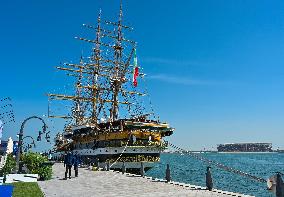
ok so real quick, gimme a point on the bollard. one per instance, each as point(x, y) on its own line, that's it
point(4, 178)
point(279, 186)
point(97, 162)
point(108, 166)
point(142, 172)
point(209, 182)
point(168, 173)
point(123, 168)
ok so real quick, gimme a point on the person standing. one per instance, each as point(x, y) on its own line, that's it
point(76, 162)
point(68, 161)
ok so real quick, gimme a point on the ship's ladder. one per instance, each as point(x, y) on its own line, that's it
point(217, 164)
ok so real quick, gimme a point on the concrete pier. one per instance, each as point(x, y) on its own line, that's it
point(110, 183)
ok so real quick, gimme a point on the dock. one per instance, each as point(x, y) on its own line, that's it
point(112, 183)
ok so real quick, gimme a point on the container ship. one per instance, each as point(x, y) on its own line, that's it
point(109, 119)
point(245, 147)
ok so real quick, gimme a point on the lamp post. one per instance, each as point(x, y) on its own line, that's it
point(32, 144)
point(20, 144)
point(33, 141)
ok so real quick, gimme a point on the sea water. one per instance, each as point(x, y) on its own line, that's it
point(187, 169)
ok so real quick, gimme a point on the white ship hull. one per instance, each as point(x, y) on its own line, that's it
point(131, 156)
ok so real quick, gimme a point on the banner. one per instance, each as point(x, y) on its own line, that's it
point(15, 147)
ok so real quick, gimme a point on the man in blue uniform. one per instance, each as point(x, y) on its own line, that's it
point(68, 162)
point(76, 162)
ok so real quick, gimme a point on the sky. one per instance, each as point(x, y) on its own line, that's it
point(214, 68)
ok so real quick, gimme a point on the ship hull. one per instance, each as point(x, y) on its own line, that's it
point(131, 156)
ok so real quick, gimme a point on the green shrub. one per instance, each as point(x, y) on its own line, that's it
point(9, 166)
point(34, 162)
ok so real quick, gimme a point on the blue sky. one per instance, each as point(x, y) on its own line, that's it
point(215, 68)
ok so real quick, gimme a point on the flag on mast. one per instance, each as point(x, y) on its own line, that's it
point(135, 69)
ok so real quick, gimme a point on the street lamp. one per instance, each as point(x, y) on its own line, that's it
point(38, 138)
point(33, 141)
point(47, 136)
point(30, 145)
point(20, 145)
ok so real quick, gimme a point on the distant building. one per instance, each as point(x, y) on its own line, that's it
point(245, 147)
point(6, 147)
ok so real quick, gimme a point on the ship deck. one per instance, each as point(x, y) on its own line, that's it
point(110, 183)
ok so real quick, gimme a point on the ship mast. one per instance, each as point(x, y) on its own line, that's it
point(78, 111)
point(96, 58)
point(99, 83)
point(118, 50)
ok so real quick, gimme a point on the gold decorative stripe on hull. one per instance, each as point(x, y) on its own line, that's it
point(119, 136)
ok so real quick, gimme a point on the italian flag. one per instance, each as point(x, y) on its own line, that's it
point(135, 69)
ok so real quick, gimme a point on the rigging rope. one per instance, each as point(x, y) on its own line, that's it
point(217, 164)
point(150, 101)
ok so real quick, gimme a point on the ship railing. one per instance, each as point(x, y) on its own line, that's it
point(142, 143)
point(136, 144)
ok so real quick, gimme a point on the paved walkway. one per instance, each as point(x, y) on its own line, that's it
point(108, 184)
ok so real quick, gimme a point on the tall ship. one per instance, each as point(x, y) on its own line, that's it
point(111, 118)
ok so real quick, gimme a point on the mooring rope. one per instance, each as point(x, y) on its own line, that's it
point(122, 151)
point(217, 164)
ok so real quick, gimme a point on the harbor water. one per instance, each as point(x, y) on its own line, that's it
point(187, 169)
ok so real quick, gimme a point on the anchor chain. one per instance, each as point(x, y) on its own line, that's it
point(217, 164)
